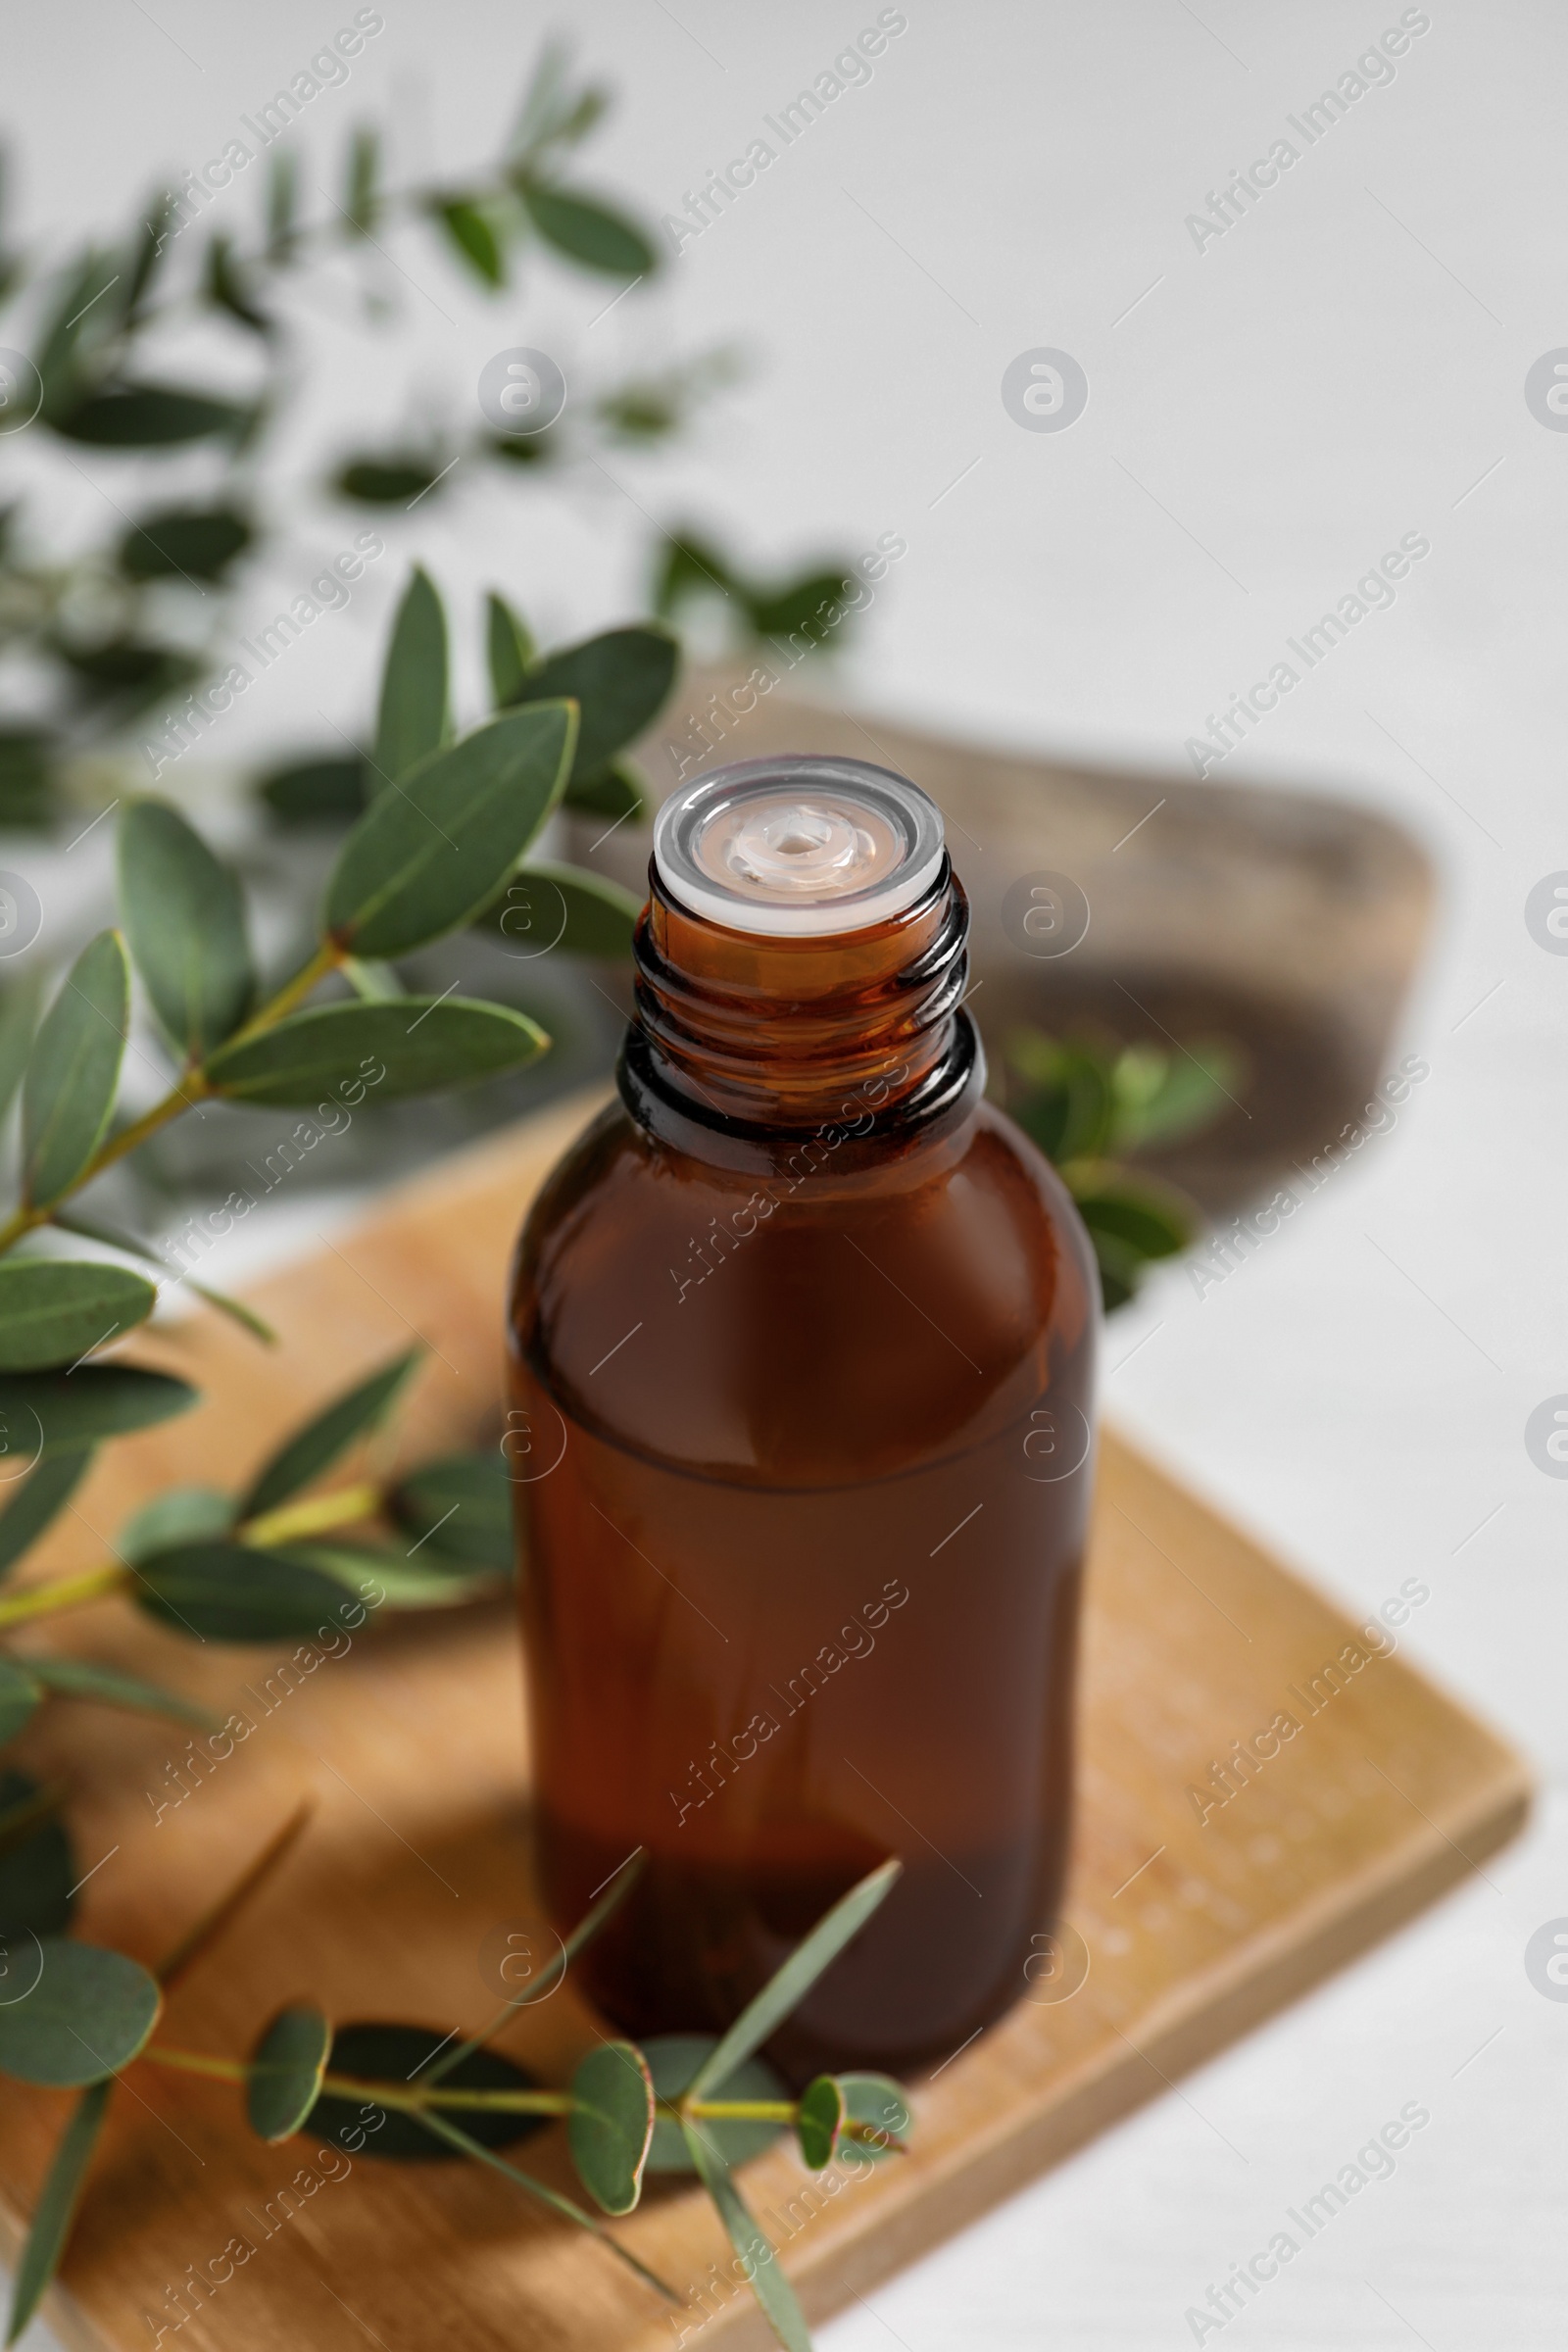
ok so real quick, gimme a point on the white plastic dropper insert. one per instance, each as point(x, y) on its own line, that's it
point(800, 847)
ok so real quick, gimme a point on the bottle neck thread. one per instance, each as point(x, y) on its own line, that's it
point(743, 1046)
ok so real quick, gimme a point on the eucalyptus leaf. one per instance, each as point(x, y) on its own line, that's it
point(67, 1095)
point(219, 1592)
point(616, 793)
point(146, 416)
point(761, 2264)
point(179, 1515)
point(611, 2123)
point(1147, 1217)
point(228, 286)
point(313, 1450)
point(283, 2079)
point(185, 916)
point(79, 318)
point(87, 2014)
point(401, 1584)
point(363, 202)
point(415, 1046)
point(413, 714)
point(56, 2209)
point(107, 1687)
point(877, 2102)
point(789, 1986)
point(315, 792)
point(674, 2060)
point(547, 908)
point(390, 482)
point(425, 857)
point(54, 1311)
point(400, 2055)
point(473, 238)
point(196, 543)
point(820, 2119)
point(18, 1022)
point(589, 232)
point(38, 1871)
point(61, 1412)
point(621, 682)
point(19, 1694)
point(459, 1506)
point(70, 1221)
point(35, 1503)
point(509, 649)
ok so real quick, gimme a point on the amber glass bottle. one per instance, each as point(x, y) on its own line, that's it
point(802, 1334)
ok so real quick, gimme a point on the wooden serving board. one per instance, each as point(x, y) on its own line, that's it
point(412, 1744)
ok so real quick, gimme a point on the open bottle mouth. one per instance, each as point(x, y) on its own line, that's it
point(800, 847)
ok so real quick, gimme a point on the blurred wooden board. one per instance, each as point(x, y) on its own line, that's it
point(412, 1743)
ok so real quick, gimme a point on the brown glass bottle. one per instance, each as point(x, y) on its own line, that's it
point(802, 1334)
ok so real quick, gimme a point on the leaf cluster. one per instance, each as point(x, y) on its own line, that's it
point(675, 2104)
point(1089, 1108)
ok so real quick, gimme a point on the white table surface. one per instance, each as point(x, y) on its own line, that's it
point(1345, 366)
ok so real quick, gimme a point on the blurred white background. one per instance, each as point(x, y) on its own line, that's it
point(1265, 416)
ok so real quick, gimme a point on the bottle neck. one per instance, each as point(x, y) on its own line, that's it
point(743, 1047)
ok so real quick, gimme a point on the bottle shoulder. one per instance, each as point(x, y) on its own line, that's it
point(809, 1330)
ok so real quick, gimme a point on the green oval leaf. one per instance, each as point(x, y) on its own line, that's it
point(509, 649)
point(236, 1592)
point(309, 1451)
point(413, 714)
point(387, 481)
point(788, 1986)
point(416, 1046)
point(315, 792)
point(611, 2125)
point(618, 791)
point(146, 416)
point(284, 2078)
point(35, 1504)
point(67, 1095)
point(561, 909)
point(818, 2120)
point(877, 2104)
point(56, 2208)
point(19, 1012)
point(1149, 1219)
point(37, 1870)
point(474, 239)
point(459, 1506)
point(619, 682)
point(107, 1687)
point(185, 916)
point(86, 2016)
point(56, 1310)
point(673, 2061)
point(425, 857)
point(19, 1694)
point(399, 2054)
point(64, 1411)
point(426, 1582)
point(179, 1515)
point(194, 543)
point(590, 232)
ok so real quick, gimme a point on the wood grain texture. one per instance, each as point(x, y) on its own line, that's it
point(413, 1746)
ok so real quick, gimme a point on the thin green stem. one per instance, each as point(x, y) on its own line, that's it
point(385, 2094)
point(750, 2111)
point(65, 1592)
point(291, 1520)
